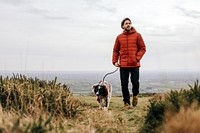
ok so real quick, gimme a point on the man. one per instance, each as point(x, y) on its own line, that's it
point(128, 50)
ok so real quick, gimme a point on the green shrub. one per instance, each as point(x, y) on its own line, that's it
point(172, 102)
point(154, 116)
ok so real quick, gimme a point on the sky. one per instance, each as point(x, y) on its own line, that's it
point(78, 35)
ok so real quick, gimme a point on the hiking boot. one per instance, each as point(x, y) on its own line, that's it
point(135, 101)
point(127, 106)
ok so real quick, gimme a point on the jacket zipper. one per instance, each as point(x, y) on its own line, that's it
point(127, 50)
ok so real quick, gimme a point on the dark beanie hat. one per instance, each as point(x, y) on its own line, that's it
point(122, 23)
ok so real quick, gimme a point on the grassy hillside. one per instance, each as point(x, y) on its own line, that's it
point(89, 118)
point(38, 106)
point(31, 105)
point(116, 119)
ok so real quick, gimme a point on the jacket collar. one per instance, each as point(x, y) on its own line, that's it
point(130, 32)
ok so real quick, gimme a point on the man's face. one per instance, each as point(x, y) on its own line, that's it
point(127, 25)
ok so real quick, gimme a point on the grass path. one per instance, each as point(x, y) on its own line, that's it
point(116, 119)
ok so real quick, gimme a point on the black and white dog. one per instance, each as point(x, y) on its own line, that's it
point(103, 92)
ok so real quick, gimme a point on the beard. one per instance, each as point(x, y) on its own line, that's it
point(127, 29)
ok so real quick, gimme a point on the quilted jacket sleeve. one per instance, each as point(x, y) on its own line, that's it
point(116, 50)
point(141, 47)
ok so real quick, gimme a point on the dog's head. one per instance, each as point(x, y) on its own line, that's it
point(100, 90)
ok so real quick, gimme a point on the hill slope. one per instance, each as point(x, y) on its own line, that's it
point(116, 119)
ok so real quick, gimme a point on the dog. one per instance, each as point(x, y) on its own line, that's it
point(103, 92)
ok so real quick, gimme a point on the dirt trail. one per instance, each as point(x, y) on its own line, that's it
point(115, 119)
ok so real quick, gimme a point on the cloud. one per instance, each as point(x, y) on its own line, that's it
point(101, 5)
point(189, 13)
point(160, 31)
point(14, 2)
point(41, 9)
point(47, 13)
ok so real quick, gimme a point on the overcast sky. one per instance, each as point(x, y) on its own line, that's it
point(64, 35)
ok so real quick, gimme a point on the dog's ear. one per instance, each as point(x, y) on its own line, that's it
point(94, 87)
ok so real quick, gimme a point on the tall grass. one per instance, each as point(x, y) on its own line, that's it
point(173, 103)
point(36, 98)
point(31, 95)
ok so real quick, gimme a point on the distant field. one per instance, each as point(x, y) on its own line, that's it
point(80, 82)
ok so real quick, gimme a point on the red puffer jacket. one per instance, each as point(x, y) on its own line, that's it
point(129, 48)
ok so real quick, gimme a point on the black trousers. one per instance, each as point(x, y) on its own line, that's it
point(133, 73)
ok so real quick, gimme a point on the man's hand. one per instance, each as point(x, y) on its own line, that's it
point(116, 64)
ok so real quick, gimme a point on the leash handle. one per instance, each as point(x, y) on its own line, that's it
point(108, 74)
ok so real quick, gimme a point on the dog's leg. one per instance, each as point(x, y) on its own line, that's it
point(106, 102)
point(101, 103)
point(109, 96)
point(100, 107)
